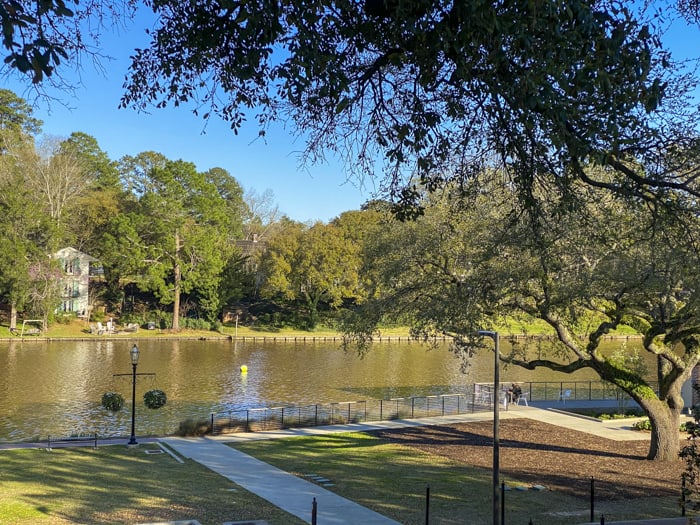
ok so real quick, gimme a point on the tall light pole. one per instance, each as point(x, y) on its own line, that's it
point(496, 443)
point(134, 362)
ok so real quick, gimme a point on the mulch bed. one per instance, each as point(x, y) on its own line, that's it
point(537, 453)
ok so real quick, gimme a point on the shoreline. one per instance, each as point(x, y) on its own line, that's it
point(268, 338)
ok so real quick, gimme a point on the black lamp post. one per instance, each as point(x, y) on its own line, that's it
point(134, 361)
point(496, 443)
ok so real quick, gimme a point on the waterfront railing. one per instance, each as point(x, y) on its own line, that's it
point(477, 397)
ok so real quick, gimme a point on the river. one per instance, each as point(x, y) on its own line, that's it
point(55, 387)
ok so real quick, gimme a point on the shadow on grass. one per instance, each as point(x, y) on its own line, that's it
point(119, 485)
point(391, 477)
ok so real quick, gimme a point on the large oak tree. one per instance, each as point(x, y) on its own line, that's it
point(475, 261)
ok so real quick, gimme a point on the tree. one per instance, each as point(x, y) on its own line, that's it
point(27, 233)
point(96, 163)
point(231, 194)
point(584, 271)
point(415, 85)
point(262, 214)
point(16, 120)
point(101, 200)
point(41, 35)
point(179, 226)
point(314, 265)
point(58, 179)
point(428, 89)
point(27, 229)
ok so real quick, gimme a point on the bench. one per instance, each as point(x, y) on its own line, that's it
point(72, 440)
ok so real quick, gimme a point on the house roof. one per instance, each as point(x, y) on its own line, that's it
point(72, 252)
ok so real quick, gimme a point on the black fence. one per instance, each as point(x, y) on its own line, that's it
point(275, 418)
point(572, 390)
point(478, 398)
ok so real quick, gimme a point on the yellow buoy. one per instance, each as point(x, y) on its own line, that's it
point(244, 369)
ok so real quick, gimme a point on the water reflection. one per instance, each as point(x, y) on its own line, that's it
point(56, 387)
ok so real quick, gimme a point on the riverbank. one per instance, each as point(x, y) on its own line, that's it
point(81, 331)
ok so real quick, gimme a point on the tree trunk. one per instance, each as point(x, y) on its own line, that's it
point(177, 277)
point(176, 298)
point(13, 316)
point(312, 305)
point(665, 435)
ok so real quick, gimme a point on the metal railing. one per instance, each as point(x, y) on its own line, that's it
point(570, 390)
point(275, 418)
point(478, 397)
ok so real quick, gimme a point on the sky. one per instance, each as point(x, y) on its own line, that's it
point(310, 193)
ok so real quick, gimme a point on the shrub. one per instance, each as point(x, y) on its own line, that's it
point(155, 399)
point(66, 318)
point(132, 318)
point(195, 323)
point(190, 427)
point(645, 426)
point(113, 401)
point(642, 425)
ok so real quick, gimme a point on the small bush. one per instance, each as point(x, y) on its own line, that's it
point(642, 425)
point(132, 318)
point(154, 399)
point(113, 401)
point(190, 427)
point(194, 323)
point(66, 318)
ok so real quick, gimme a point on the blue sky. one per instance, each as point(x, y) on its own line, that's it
point(318, 192)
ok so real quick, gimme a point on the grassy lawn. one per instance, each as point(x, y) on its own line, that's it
point(115, 484)
point(392, 480)
point(78, 329)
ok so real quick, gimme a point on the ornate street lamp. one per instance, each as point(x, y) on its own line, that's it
point(134, 362)
point(496, 444)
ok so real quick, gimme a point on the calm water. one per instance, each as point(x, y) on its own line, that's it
point(56, 387)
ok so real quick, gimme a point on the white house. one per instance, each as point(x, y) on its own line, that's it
point(75, 283)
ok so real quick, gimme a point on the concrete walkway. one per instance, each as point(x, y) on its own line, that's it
point(295, 495)
point(662, 521)
point(286, 491)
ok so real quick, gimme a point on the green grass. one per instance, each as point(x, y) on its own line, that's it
point(78, 329)
point(392, 480)
point(116, 484)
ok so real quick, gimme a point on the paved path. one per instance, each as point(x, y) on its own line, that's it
point(662, 521)
point(286, 491)
point(615, 429)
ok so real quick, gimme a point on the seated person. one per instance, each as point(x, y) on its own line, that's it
point(515, 392)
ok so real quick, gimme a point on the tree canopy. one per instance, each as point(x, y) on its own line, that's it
point(481, 260)
point(435, 91)
point(430, 92)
